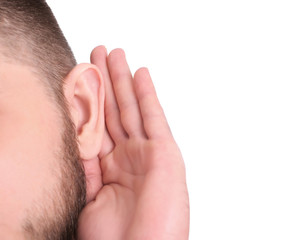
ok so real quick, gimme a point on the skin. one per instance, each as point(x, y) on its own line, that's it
point(144, 193)
point(31, 127)
point(26, 125)
point(135, 174)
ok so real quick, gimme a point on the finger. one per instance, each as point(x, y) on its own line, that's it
point(125, 94)
point(112, 113)
point(98, 57)
point(93, 176)
point(107, 146)
point(155, 123)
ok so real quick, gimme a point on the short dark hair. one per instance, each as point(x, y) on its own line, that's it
point(30, 35)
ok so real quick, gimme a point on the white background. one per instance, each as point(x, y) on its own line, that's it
point(222, 72)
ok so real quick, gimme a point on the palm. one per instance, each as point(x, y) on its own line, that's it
point(144, 192)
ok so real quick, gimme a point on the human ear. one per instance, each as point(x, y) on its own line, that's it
point(84, 91)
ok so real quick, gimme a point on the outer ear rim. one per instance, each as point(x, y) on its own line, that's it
point(69, 88)
point(75, 73)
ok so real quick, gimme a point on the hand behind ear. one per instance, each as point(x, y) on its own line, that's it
point(144, 194)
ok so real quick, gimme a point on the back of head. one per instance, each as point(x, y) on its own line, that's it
point(30, 35)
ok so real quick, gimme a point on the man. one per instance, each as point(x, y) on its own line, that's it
point(86, 151)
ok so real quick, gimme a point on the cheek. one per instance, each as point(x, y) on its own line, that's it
point(26, 163)
point(28, 139)
point(23, 175)
point(7, 232)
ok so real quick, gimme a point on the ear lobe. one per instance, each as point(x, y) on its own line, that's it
point(84, 91)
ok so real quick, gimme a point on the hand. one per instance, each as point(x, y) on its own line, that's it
point(144, 195)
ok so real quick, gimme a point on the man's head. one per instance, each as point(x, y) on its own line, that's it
point(51, 119)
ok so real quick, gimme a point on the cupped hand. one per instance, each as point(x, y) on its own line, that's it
point(144, 194)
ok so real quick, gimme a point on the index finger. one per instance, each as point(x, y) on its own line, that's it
point(112, 113)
